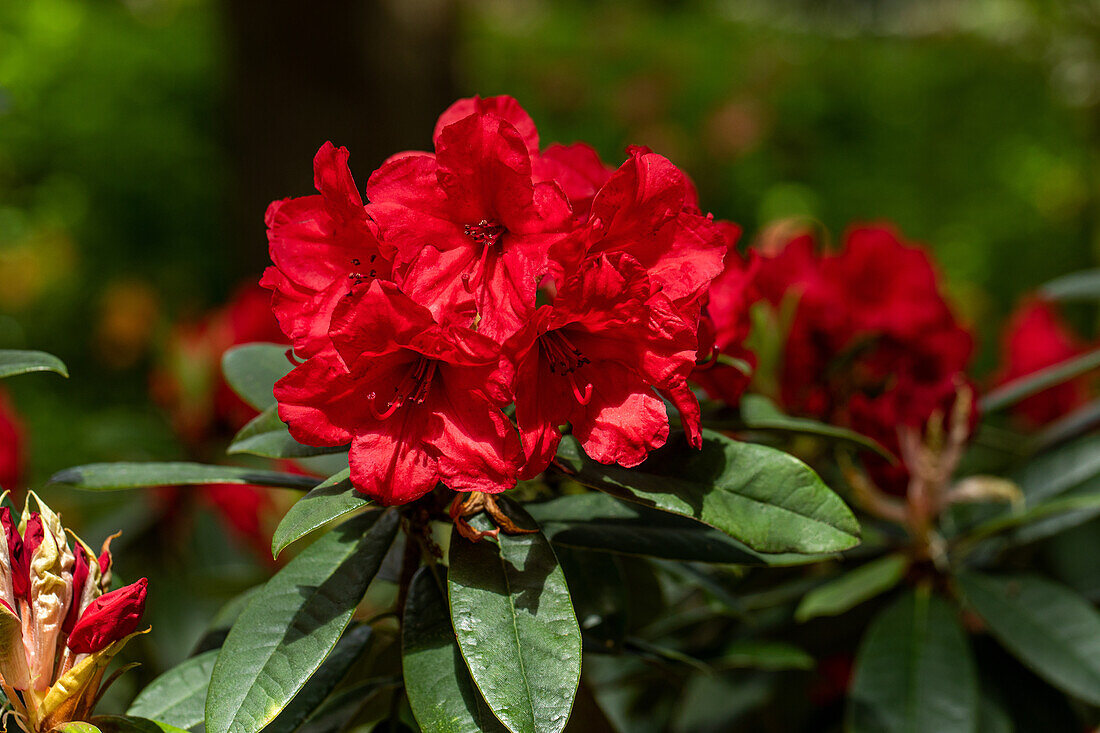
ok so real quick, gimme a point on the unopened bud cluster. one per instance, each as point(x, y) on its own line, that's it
point(60, 626)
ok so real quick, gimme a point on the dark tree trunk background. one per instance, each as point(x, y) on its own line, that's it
point(370, 75)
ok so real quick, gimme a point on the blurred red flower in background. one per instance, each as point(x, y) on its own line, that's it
point(11, 444)
point(1037, 337)
point(189, 385)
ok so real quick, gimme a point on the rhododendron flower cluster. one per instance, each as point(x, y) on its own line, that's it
point(873, 344)
point(1037, 337)
point(487, 273)
point(60, 624)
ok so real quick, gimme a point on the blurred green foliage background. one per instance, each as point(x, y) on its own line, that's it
point(141, 139)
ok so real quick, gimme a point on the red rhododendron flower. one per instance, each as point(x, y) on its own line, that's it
point(11, 444)
point(470, 224)
point(419, 401)
point(110, 617)
point(873, 344)
point(320, 246)
point(1036, 337)
point(592, 358)
point(646, 209)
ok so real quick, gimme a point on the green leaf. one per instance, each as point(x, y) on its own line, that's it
point(1083, 285)
point(1019, 389)
point(266, 435)
point(76, 727)
point(853, 588)
point(1040, 521)
point(333, 498)
point(178, 696)
point(767, 655)
point(320, 685)
point(442, 695)
point(760, 413)
point(914, 672)
point(1048, 627)
point(1059, 470)
point(22, 362)
point(251, 370)
point(293, 623)
point(597, 521)
point(763, 497)
point(516, 627)
point(115, 476)
point(132, 724)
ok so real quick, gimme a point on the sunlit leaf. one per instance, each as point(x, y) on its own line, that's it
point(763, 497)
point(1082, 285)
point(333, 498)
point(760, 413)
point(266, 435)
point(115, 476)
point(516, 627)
point(292, 624)
point(178, 696)
point(251, 370)
point(22, 362)
point(442, 695)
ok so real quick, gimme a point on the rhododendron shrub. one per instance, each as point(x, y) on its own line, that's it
point(568, 418)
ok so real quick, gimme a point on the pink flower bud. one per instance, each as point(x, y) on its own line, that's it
point(109, 618)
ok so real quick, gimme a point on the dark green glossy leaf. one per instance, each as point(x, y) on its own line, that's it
point(320, 685)
point(516, 628)
point(293, 623)
point(115, 476)
point(441, 693)
point(760, 413)
point(597, 521)
point(853, 587)
point(132, 724)
point(251, 370)
point(1048, 627)
point(1036, 382)
point(177, 697)
point(266, 435)
point(760, 496)
point(22, 362)
point(1082, 285)
point(333, 498)
point(914, 672)
point(1040, 521)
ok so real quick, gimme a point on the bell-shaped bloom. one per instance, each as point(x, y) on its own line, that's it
point(419, 401)
point(320, 246)
point(594, 358)
point(471, 225)
point(1037, 337)
point(109, 618)
point(647, 210)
